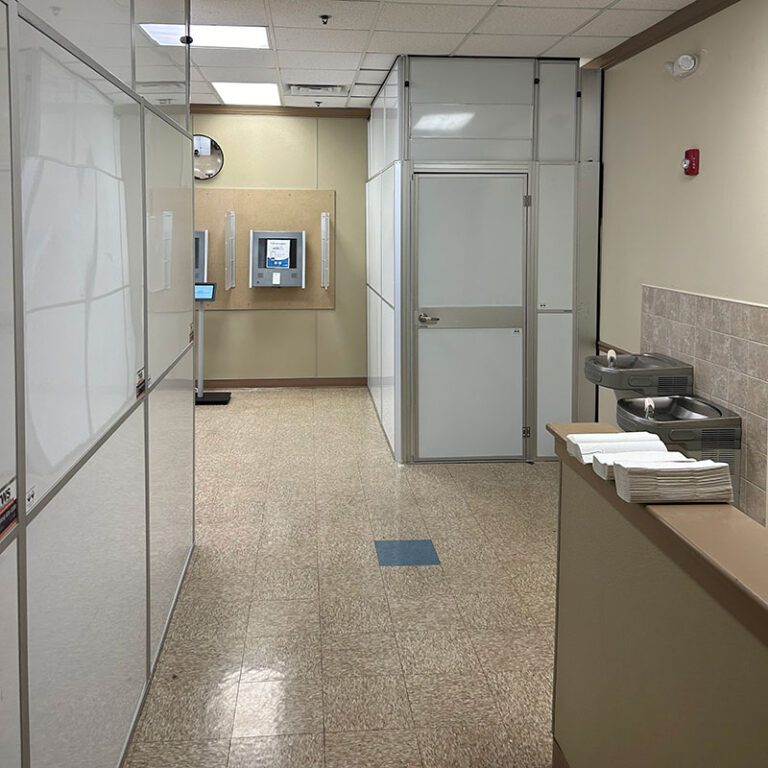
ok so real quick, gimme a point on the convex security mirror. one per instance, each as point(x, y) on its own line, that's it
point(209, 157)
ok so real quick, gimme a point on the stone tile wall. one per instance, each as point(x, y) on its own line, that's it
point(727, 343)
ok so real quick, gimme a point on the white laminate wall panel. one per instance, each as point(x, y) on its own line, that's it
point(481, 413)
point(170, 246)
point(390, 234)
point(554, 395)
point(472, 121)
point(391, 92)
point(471, 150)
point(171, 489)
point(7, 370)
point(10, 747)
point(83, 257)
point(373, 234)
point(388, 371)
point(374, 348)
point(471, 81)
point(87, 608)
point(556, 236)
point(557, 110)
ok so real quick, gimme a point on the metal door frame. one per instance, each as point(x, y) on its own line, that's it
point(411, 304)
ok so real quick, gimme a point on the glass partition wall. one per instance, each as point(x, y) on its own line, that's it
point(96, 391)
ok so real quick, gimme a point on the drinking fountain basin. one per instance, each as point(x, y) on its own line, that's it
point(648, 373)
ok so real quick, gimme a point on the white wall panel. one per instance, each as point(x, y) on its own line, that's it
point(390, 234)
point(556, 236)
point(557, 110)
point(83, 257)
point(374, 348)
point(170, 246)
point(87, 603)
point(10, 749)
point(373, 219)
point(555, 376)
point(388, 369)
point(171, 489)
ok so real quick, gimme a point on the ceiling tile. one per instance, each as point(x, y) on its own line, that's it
point(344, 15)
point(428, 18)
point(413, 42)
point(232, 57)
point(445, 2)
point(318, 60)
point(205, 99)
point(326, 102)
point(584, 47)
point(359, 102)
point(535, 21)
point(653, 5)
point(364, 90)
point(378, 61)
point(239, 74)
point(317, 76)
point(595, 4)
point(507, 45)
point(622, 23)
point(371, 76)
point(320, 39)
point(228, 12)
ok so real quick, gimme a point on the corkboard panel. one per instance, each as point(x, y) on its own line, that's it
point(266, 210)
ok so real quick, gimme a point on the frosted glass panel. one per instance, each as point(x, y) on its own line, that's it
point(392, 117)
point(102, 28)
point(471, 149)
point(83, 254)
point(373, 222)
point(555, 376)
point(472, 121)
point(390, 230)
point(557, 110)
point(388, 371)
point(161, 69)
point(87, 604)
point(170, 246)
point(7, 394)
point(556, 235)
point(10, 755)
point(374, 348)
point(171, 433)
point(376, 132)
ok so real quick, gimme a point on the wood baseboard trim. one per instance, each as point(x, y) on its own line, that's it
point(350, 381)
point(558, 758)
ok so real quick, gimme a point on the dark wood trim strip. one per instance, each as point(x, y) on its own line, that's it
point(558, 758)
point(350, 381)
point(666, 28)
point(231, 109)
point(604, 346)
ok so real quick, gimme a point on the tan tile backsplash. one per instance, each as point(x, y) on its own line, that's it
point(727, 343)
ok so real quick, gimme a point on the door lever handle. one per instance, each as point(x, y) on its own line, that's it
point(426, 319)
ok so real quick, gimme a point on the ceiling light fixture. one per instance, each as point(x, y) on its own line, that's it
point(250, 94)
point(209, 35)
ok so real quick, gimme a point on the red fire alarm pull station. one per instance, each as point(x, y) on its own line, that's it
point(691, 162)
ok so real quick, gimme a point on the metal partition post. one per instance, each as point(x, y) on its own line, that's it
point(199, 343)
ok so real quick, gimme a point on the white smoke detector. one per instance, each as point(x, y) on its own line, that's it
point(685, 64)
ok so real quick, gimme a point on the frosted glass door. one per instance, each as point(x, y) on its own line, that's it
point(471, 245)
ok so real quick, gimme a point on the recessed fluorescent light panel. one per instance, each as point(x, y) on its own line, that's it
point(262, 94)
point(209, 35)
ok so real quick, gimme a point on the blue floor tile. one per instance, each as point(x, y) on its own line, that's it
point(406, 552)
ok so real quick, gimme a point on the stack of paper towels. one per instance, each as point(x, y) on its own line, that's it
point(586, 447)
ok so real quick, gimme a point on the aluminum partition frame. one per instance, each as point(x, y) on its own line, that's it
point(17, 11)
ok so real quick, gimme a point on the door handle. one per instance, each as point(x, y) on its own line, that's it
point(426, 319)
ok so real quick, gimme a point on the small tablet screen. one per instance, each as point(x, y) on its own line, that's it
point(205, 291)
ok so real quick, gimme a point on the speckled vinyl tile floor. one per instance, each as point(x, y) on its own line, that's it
point(292, 647)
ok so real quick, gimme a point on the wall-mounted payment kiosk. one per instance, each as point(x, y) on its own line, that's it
point(205, 292)
point(201, 255)
point(278, 259)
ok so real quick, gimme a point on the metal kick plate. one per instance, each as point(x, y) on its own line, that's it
point(473, 317)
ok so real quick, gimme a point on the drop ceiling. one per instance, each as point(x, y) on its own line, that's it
point(363, 37)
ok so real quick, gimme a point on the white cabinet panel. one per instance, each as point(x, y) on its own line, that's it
point(374, 348)
point(373, 220)
point(555, 376)
point(388, 371)
point(83, 258)
point(471, 81)
point(87, 608)
point(170, 243)
point(171, 488)
point(557, 110)
point(10, 749)
point(468, 150)
point(470, 392)
point(390, 230)
point(556, 236)
point(472, 121)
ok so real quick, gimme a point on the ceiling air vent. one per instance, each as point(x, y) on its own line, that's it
point(318, 90)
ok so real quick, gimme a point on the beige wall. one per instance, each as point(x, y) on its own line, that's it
point(295, 153)
point(707, 234)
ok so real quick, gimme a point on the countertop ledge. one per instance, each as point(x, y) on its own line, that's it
point(729, 540)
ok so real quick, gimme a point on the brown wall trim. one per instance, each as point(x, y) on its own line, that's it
point(558, 758)
point(666, 28)
point(224, 109)
point(604, 346)
point(350, 381)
